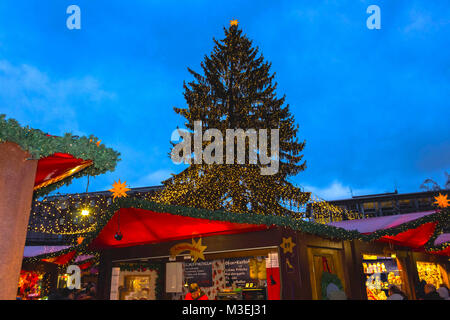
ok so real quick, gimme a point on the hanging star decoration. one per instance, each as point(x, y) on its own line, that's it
point(287, 245)
point(80, 240)
point(233, 23)
point(119, 189)
point(97, 143)
point(442, 201)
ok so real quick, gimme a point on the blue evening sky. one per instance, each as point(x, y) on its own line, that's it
point(372, 105)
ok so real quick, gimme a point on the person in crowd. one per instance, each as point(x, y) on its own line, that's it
point(89, 293)
point(431, 293)
point(420, 290)
point(67, 294)
point(396, 294)
point(443, 292)
point(62, 294)
point(195, 293)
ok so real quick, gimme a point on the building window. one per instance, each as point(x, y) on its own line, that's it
point(424, 202)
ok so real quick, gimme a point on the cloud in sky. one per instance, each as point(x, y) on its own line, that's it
point(372, 105)
point(153, 178)
point(32, 97)
point(336, 191)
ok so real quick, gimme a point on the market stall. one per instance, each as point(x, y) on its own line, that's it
point(400, 240)
point(32, 164)
point(153, 251)
point(47, 267)
point(224, 270)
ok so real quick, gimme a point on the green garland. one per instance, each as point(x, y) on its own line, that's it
point(39, 145)
point(439, 247)
point(441, 217)
point(321, 230)
point(81, 249)
point(249, 218)
point(442, 226)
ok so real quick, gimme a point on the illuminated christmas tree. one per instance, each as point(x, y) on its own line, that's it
point(237, 91)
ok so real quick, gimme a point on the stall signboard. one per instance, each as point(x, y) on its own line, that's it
point(237, 272)
point(199, 272)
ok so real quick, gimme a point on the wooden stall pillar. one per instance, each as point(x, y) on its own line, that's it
point(289, 266)
point(104, 276)
point(17, 177)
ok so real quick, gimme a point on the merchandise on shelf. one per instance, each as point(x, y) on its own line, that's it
point(429, 272)
point(381, 272)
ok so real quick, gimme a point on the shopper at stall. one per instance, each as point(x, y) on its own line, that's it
point(88, 294)
point(195, 293)
point(420, 290)
point(396, 294)
point(443, 292)
point(431, 293)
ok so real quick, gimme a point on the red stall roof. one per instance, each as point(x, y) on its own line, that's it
point(140, 226)
point(413, 238)
point(57, 167)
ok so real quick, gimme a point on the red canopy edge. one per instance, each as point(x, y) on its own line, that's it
point(62, 259)
point(57, 167)
point(443, 252)
point(413, 238)
point(140, 226)
point(86, 265)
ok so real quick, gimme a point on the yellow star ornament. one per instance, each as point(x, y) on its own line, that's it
point(233, 23)
point(196, 249)
point(442, 201)
point(119, 189)
point(287, 245)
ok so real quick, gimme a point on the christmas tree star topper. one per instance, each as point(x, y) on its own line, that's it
point(233, 23)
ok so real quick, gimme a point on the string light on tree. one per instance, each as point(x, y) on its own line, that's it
point(237, 91)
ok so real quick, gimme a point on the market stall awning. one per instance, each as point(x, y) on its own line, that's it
point(140, 226)
point(60, 255)
point(441, 245)
point(443, 238)
point(63, 259)
point(33, 251)
point(414, 237)
point(60, 158)
point(57, 167)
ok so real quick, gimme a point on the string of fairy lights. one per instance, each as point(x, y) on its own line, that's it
point(78, 214)
point(71, 214)
point(106, 207)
